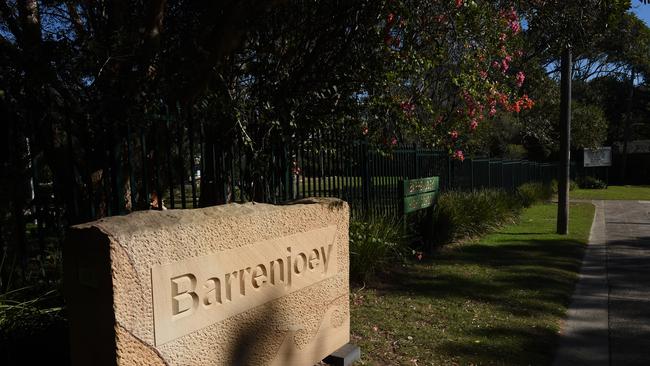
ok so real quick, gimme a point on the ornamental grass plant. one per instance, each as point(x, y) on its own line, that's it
point(531, 193)
point(376, 244)
point(466, 214)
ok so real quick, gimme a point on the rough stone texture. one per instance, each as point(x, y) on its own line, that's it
point(108, 269)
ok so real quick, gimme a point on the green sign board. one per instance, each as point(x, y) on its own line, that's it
point(417, 186)
point(418, 202)
point(419, 193)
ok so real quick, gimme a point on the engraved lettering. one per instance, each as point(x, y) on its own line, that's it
point(242, 280)
point(314, 259)
point(280, 263)
point(229, 285)
point(258, 279)
point(303, 266)
point(213, 291)
point(289, 267)
point(204, 289)
point(184, 299)
point(326, 257)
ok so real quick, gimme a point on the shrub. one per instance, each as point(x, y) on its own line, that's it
point(32, 320)
point(375, 244)
point(530, 193)
point(466, 214)
point(592, 183)
point(572, 185)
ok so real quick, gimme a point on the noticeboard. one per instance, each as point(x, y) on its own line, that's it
point(601, 156)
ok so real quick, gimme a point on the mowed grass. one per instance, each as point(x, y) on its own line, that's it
point(495, 301)
point(613, 193)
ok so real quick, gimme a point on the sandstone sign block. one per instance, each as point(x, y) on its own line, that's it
point(250, 284)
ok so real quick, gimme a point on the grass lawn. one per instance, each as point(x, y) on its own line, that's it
point(613, 193)
point(498, 300)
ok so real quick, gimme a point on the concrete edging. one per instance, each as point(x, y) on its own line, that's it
point(584, 338)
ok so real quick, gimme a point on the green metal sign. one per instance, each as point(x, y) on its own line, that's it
point(417, 186)
point(418, 202)
point(419, 193)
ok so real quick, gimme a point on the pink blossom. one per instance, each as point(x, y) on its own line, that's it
point(390, 19)
point(459, 3)
point(505, 64)
point(515, 27)
point(393, 141)
point(496, 65)
point(407, 107)
point(520, 78)
point(483, 74)
point(503, 99)
point(502, 37)
point(493, 111)
point(527, 103)
point(512, 15)
point(295, 169)
point(458, 155)
point(418, 255)
point(454, 135)
point(473, 125)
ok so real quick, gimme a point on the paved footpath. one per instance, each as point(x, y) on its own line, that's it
point(608, 321)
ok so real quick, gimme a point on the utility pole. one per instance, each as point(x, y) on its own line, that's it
point(565, 143)
point(626, 131)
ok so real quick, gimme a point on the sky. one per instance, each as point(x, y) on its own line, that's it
point(642, 11)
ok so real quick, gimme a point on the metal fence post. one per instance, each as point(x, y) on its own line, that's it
point(365, 178)
point(450, 173)
point(471, 166)
point(489, 173)
point(416, 158)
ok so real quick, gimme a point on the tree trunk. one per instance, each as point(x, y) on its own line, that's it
point(565, 144)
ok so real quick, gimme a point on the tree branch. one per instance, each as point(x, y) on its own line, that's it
point(10, 18)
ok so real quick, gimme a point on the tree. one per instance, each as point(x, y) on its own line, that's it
point(560, 29)
point(84, 84)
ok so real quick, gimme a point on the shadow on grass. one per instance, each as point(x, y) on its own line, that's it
point(523, 345)
point(530, 281)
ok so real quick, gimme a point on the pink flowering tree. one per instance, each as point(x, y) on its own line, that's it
point(450, 67)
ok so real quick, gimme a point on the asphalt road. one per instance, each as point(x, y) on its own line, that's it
point(608, 322)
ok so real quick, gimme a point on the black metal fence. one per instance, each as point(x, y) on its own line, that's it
point(95, 171)
point(368, 179)
point(184, 170)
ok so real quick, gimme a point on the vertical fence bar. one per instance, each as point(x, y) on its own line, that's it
point(365, 181)
point(301, 148)
point(338, 163)
point(132, 184)
point(319, 170)
point(181, 163)
point(170, 174)
point(192, 161)
point(231, 179)
point(331, 178)
point(145, 170)
point(157, 161)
